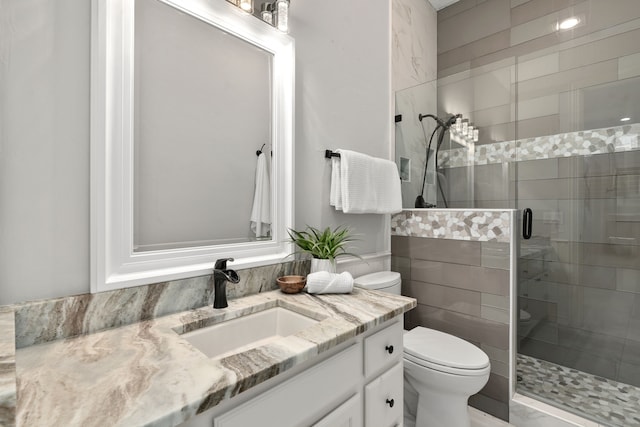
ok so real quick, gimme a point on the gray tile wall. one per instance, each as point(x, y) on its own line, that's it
point(580, 286)
point(510, 59)
point(516, 78)
point(462, 288)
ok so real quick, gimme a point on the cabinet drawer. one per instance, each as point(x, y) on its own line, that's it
point(302, 399)
point(383, 399)
point(382, 349)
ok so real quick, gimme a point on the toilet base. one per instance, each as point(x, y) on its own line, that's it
point(436, 410)
point(440, 399)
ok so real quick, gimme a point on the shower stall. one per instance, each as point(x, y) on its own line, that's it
point(554, 91)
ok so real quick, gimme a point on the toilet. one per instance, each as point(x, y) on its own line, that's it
point(441, 371)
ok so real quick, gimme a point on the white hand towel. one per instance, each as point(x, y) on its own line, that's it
point(261, 211)
point(369, 184)
point(323, 282)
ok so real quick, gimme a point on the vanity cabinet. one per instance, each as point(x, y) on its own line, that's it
point(383, 392)
point(360, 383)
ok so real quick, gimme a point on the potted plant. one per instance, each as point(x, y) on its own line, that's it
point(324, 246)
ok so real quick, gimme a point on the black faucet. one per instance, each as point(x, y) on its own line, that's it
point(220, 278)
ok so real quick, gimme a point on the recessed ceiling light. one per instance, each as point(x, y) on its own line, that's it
point(625, 119)
point(568, 23)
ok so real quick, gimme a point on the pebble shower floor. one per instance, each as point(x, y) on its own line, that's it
point(604, 401)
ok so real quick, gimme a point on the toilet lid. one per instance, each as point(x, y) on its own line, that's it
point(379, 280)
point(443, 349)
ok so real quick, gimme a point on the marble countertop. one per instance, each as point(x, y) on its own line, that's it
point(147, 374)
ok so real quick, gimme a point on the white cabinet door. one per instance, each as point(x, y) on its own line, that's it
point(383, 399)
point(349, 414)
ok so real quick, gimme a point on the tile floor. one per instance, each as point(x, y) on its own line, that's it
point(478, 419)
point(481, 419)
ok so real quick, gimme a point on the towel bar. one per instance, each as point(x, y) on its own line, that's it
point(329, 154)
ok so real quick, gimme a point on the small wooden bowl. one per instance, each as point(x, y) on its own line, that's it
point(291, 284)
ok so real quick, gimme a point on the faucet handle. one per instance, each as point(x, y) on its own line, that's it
point(221, 264)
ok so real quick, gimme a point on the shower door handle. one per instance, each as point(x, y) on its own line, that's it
point(527, 223)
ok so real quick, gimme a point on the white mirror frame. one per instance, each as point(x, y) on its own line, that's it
point(114, 264)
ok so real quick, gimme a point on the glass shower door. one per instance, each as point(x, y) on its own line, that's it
point(578, 170)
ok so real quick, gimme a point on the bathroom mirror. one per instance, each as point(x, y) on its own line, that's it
point(184, 92)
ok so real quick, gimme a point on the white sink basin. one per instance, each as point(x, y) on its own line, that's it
point(246, 332)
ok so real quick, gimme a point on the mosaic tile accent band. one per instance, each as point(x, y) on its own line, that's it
point(607, 401)
point(478, 225)
point(583, 143)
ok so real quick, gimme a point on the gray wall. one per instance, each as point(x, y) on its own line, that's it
point(518, 78)
point(342, 101)
point(462, 288)
point(343, 87)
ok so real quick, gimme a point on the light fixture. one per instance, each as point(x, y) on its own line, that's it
point(281, 12)
point(568, 23)
point(266, 13)
point(246, 5)
point(625, 119)
point(275, 14)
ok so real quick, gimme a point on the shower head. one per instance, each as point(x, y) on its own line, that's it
point(446, 124)
point(443, 126)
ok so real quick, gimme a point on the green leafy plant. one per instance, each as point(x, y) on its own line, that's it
point(326, 244)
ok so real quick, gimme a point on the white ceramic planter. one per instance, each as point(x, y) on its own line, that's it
point(323, 265)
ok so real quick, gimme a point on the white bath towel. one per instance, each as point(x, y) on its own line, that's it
point(366, 184)
point(323, 282)
point(261, 211)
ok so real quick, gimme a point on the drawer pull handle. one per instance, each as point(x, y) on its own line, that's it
point(390, 402)
point(389, 348)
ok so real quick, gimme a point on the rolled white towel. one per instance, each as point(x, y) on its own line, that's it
point(323, 282)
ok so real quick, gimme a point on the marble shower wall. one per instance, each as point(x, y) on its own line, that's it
point(411, 142)
point(414, 69)
point(414, 49)
point(457, 264)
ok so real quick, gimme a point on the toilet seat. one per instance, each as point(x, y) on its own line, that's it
point(445, 353)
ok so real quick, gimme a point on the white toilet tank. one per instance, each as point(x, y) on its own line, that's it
point(385, 281)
